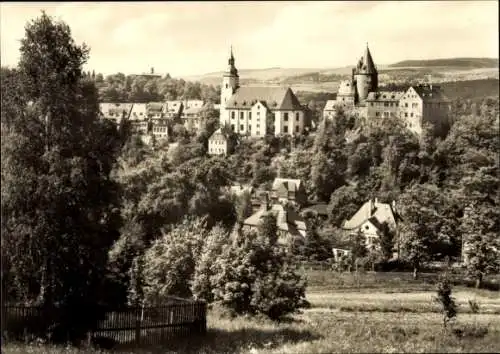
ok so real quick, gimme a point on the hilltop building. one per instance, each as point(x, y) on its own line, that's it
point(257, 111)
point(416, 106)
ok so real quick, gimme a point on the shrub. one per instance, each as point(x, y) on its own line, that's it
point(254, 275)
point(448, 305)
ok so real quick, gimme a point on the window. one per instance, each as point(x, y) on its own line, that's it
point(386, 104)
point(377, 114)
point(249, 127)
point(296, 128)
point(406, 114)
point(285, 129)
point(249, 115)
point(242, 127)
point(232, 115)
point(241, 115)
point(285, 117)
point(297, 116)
point(411, 114)
point(227, 85)
point(406, 104)
point(258, 113)
point(232, 127)
point(371, 104)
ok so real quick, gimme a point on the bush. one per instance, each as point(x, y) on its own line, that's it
point(254, 275)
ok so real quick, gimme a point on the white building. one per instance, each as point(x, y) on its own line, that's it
point(257, 111)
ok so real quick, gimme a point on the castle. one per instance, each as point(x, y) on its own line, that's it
point(258, 111)
point(415, 106)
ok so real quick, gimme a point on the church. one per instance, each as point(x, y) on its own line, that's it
point(259, 111)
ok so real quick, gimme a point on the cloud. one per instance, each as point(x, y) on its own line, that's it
point(183, 37)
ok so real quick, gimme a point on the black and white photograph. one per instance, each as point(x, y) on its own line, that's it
point(250, 177)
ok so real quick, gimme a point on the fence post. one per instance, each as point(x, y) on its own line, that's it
point(138, 326)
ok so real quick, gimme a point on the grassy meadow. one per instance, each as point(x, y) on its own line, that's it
point(373, 312)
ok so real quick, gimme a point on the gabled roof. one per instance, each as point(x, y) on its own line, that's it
point(218, 135)
point(430, 93)
point(276, 98)
point(375, 212)
point(286, 184)
point(295, 222)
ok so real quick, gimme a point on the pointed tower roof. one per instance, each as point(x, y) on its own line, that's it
point(367, 65)
point(231, 69)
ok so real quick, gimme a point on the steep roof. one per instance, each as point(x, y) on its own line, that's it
point(288, 184)
point(366, 65)
point(218, 135)
point(294, 224)
point(430, 93)
point(276, 98)
point(375, 212)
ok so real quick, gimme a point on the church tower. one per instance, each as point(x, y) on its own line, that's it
point(230, 83)
point(365, 76)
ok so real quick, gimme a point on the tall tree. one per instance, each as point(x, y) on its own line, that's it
point(59, 206)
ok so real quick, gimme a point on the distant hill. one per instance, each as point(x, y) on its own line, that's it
point(466, 63)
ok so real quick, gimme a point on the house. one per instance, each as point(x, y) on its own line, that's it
point(369, 219)
point(290, 224)
point(139, 118)
point(289, 190)
point(257, 111)
point(191, 118)
point(173, 109)
point(424, 104)
point(115, 111)
point(155, 110)
point(150, 75)
point(220, 143)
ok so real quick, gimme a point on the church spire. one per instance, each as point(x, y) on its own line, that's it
point(231, 68)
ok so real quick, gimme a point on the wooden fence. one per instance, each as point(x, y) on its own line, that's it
point(138, 325)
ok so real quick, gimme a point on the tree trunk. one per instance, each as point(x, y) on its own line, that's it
point(415, 272)
point(479, 281)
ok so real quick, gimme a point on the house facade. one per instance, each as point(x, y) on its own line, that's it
point(219, 144)
point(369, 219)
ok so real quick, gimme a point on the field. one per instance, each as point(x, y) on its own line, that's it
point(390, 314)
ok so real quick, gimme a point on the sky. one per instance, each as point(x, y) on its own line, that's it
point(191, 38)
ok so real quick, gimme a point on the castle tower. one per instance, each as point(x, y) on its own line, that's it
point(230, 83)
point(365, 76)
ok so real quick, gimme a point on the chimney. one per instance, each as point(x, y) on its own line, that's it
point(376, 201)
point(394, 206)
point(265, 203)
point(371, 208)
